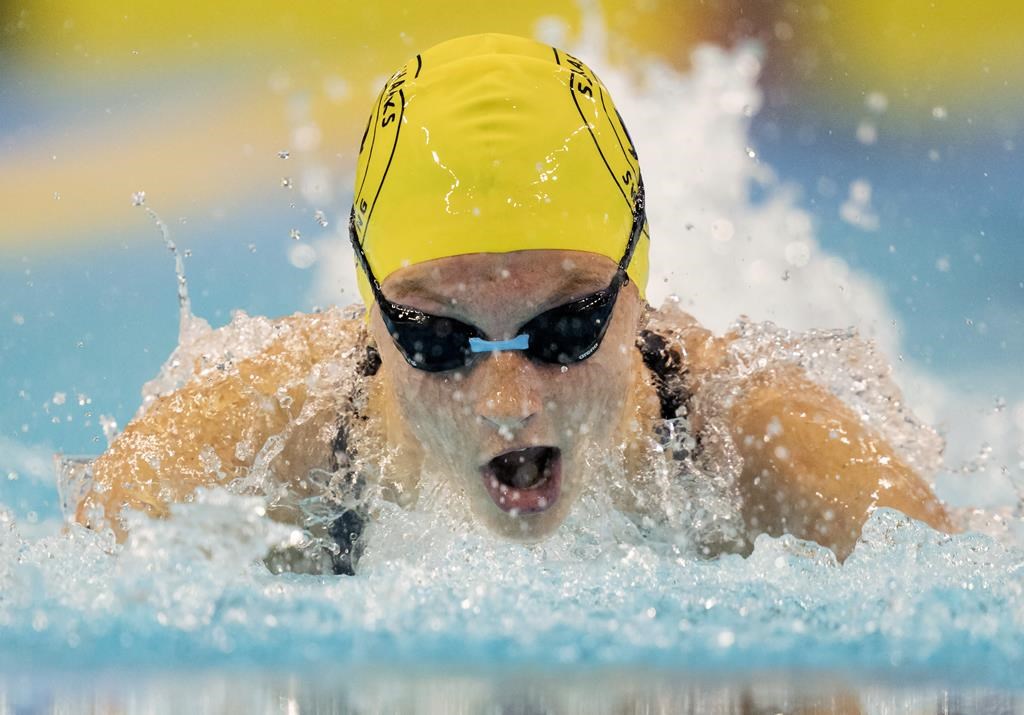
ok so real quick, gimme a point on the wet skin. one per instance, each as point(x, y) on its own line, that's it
point(810, 466)
point(455, 422)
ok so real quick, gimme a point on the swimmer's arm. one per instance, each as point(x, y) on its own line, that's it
point(209, 431)
point(811, 468)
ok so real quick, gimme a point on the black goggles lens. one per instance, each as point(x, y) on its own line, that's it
point(571, 332)
point(566, 334)
point(429, 342)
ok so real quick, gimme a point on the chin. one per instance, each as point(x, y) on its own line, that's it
point(526, 528)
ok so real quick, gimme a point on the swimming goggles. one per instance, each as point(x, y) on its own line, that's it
point(562, 335)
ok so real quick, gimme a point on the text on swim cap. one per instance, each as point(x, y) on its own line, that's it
point(388, 110)
point(582, 83)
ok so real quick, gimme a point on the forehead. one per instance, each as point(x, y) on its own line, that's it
point(498, 288)
point(534, 272)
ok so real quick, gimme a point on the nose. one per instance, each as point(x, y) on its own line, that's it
point(507, 390)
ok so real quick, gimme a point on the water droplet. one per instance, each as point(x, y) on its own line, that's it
point(295, 234)
point(139, 198)
point(320, 218)
point(798, 253)
point(283, 154)
point(939, 112)
point(876, 102)
point(722, 229)
point(59, 398)
point(188, 253)
point(286, 182)
point(18, 319)
point(56, 196)
point(751, 153)
point(252, 248)
point(565, 369)
point(867, 132)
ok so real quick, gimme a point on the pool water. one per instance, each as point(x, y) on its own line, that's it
point(609, 615)
point(910, 610)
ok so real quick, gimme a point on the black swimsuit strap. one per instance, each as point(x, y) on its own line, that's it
point(668, 371)
point(347, 527)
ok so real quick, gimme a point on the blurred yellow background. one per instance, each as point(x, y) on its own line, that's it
point(191, 101)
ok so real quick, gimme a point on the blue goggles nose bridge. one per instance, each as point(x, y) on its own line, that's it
point(479, 345)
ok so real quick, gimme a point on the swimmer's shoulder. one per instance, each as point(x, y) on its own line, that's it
point(328, 334)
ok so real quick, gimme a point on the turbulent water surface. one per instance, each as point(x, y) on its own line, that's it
point(435, 594)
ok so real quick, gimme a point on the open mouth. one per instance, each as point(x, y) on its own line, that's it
point(524, 481)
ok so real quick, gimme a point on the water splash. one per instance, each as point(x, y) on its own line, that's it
point(611, 587)
point(438, 589)
point(188, 324)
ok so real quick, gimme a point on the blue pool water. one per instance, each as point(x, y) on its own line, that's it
point(910, 607)
point(602, 617)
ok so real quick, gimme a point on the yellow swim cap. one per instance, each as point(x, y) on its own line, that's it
point(489, 144)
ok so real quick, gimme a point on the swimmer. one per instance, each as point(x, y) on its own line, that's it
point(500, 233)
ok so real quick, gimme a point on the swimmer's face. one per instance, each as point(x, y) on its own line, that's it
point(513, 433)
